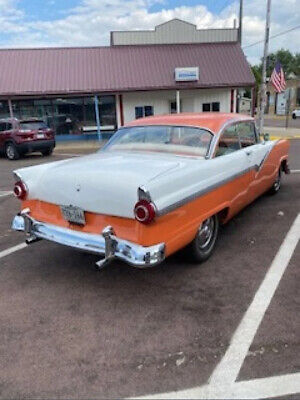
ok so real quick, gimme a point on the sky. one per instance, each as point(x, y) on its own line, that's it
point(45, 23)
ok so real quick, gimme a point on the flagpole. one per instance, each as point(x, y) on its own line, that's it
point(264, 70)
point(287, 108)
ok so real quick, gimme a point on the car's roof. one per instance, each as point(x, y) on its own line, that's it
point(210, 120)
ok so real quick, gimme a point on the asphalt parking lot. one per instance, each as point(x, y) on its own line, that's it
point(228, 328)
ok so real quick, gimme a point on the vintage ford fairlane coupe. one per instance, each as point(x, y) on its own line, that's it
point(161, 183)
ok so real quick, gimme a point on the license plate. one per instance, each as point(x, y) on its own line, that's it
point(40, 136)
point(72, 214)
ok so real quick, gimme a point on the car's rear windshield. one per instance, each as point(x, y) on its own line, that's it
point(179, 140)
point(33, 125)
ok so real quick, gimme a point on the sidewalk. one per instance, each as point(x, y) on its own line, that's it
point(282, 133)
point(78, 146)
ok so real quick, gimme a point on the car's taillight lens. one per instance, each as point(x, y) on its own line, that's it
point(144, 211)
point(20, 190)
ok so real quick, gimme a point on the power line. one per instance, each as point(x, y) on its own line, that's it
point(272, 37)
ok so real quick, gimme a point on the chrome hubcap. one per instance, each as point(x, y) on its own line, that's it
point(277, 182)
point(206, 232)
point(10, 151)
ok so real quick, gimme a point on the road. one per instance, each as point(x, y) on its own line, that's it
point(280, 122)
point(70, 331)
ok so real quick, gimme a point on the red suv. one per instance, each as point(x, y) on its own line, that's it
point(18, 137)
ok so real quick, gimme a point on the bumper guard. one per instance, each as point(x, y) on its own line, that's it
point(106, 244)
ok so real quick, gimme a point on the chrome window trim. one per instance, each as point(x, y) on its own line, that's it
point(163, 125)
point(221, 130)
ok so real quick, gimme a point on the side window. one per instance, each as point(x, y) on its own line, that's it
point(9, 126)
point(144, 111)
point(2, 126)
point(229, 141)
point(216, 106)
point(247, 133)
point(139, 112)
point(148, 111)
point(206, 107)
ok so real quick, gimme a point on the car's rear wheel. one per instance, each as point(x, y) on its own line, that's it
point(204, 243)
point(277, 184)
point(47, 152)
point(11, 151)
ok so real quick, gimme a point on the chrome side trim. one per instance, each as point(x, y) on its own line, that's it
point(203, 191)
point(105, 244)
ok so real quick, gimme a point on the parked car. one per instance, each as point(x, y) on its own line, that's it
point(159, 184)
point(18, 137)
point(296, 114)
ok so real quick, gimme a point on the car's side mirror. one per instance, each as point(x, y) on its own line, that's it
point(265, 137)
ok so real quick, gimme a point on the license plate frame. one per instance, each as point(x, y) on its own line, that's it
point(40, 136)
point(74, 215)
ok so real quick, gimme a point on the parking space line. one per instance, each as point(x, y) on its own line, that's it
point(262, 388)
point(295, 171)
point(266, 388)
point(230, 365)
point(69, 155)
point(222, 383)
point(7, 193)
point(13, 249)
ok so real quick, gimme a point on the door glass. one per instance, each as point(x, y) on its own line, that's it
point(247, 134)
point(229, 141)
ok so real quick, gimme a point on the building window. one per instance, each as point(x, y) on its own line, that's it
point(173, 108)
point(298, 97)
point(139, 112)
point(206, 107)
point(4, 109)
point(69, 115)
point(216, 106)
point(148, 111)
point(107, 111)
point(144, 111)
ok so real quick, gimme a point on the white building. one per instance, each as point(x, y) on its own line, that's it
point(173, 68)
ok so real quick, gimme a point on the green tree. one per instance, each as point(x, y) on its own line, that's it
point(290, 63)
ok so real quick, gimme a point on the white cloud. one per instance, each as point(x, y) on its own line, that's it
point(90, 23)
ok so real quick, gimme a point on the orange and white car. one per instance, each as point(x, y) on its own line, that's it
point(159, 184)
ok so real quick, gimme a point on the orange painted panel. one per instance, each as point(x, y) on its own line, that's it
point(177, 228)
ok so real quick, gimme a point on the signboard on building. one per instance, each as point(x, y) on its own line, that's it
point(186, 74)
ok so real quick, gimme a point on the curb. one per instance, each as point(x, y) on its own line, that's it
point(276, 137)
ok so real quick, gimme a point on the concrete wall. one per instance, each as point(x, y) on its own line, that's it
point(174, 31)
point(191, 100)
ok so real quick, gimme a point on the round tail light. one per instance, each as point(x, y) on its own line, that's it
point(20, 190)
point(144, 211)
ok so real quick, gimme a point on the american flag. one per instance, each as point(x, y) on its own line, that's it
point(277, 78)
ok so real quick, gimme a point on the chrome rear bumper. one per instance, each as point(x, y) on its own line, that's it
point(105, 244)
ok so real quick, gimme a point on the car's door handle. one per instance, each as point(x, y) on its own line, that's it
point(249, 152)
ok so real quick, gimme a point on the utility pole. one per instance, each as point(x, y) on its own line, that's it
point(237, 108)
point(240, 22)
point(287, 107)
point(264, 70)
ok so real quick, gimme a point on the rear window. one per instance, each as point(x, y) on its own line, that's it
point(33, 125)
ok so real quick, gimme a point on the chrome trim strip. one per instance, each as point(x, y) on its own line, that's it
point(203, 191)
point(106, 244)
point(232, 121)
